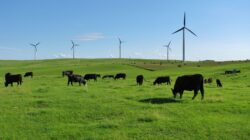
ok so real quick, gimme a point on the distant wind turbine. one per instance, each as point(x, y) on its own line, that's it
point(73, 48)
point(35, 49)
point(168, 49)
point(120, 47)
point(183, 29)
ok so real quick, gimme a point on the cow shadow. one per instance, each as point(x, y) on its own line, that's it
point(159, 100)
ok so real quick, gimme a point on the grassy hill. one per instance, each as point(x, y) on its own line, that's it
point(46, 108)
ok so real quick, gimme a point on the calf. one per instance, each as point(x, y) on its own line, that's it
point(10, 79)
point(28, 74)
point(139, 80)
point(162, 79)
point(67, 72)
point(189, 82)
point(120, 76)
point(218, 82)
point(90, 76)
point(76, 78)
point(209, 80)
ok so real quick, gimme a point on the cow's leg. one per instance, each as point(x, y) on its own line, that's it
point(181, 93)
point(195, 93)
point(11, 84)
point(79, 83)
point(68, 82)
point(202, 94)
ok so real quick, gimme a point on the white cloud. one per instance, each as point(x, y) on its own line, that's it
point(90, 37)
point(62, 55)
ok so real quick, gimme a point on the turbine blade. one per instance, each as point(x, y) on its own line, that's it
point(169, 43)
point(179, 30)
point(184, 22)
point(191, 31)
point(72, 42)
point(32, 45)
point(37, 44)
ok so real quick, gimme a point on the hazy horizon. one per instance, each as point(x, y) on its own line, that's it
point(223, 29)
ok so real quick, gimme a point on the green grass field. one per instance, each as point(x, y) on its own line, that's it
point(46, 108)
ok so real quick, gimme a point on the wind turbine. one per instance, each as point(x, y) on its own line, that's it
point(120, 47)
point(183, 30)
point(35, 49)
point(168, 49)
point(73, 48)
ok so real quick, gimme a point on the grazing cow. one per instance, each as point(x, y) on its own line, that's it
point(76, 78)
point(218, 82)
point(90, 76)
point(120, 76)
point(189, 82)
point(67, 72)
point(139, 80)
point(232, 71)
point(108, 76)
point(162, 79)
point(10, 79)
point(28, 74)
point(98, 75)
point(209, 80)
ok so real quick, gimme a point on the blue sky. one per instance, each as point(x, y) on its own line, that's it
point(222, 26)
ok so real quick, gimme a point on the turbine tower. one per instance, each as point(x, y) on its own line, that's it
point(35, 49)
point(73, 48)
point(183, 31)
point(120, 47)
point(168, 49)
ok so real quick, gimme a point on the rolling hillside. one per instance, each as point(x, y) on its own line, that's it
point(46, 108)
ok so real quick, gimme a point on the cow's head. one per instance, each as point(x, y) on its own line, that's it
point(174, 93)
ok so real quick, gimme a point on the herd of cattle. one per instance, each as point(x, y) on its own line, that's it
point(187, 82)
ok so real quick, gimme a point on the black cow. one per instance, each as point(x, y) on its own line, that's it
point(218, 82)
point(108, 76)
point(139, 80)
point(189, 82)
point(162, 79)
point(98, 75)
point(232, 71)
point(90, 76)
point(10, 79)
point(67, 72)
point(28, 74)
point(76, 78)
point(120, 76)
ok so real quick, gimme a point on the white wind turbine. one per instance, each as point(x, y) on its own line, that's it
point(120, 47)
point(35, 49)
point(168, 49)
point(183, 30)
point(73, 48)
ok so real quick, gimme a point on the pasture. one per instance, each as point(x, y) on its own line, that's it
point(44, 107)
